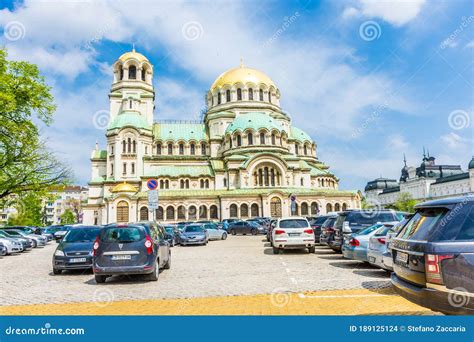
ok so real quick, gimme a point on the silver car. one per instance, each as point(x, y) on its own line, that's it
point(377, 246)
point(214, 232)
point(11, 245)
point(37, 240)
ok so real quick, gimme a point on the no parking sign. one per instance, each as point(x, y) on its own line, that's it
point(152, 184)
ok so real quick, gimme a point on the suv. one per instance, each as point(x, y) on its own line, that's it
point(133, 248)
point(243, 227)
point(292, 233)
point(316, 223)
point(433, 256)
point(351, 221)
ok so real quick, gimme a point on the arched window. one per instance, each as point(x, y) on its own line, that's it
point(314, 208)
point(260, 95)
point(297, 148)
point(143, 214)
point(181, 184)
point(239, 140)
point(124, 146)
point(203, 149)
point(269, 96)
point(250, 138)
point(202, 212)
point(132, 72)
point(192, 213)
point(233, 210)
point(170, 149)
point(225, 182)
point(213, 212)
point(159, 214)
point(302, 181)
point(170, 213)
point(304, 209)
point(230, 142)
point(158, 149)
point(244, 210)
point(344, 206)
point(207, 183)
point(121, 73)
point(134, 145)
point(305, 150)
point(187, 183)
point(181, 148)
point(129, 145)
point(133, 168)
point(219, 98)
point(181, 212)
point(162, 184)
point(337, 207)
point(254, 210)
point(322, 183)
point(273, 139)
point(239, 94)
point(227, 95)
point(262, 138)
point(122, 211)
point(167, 184)
point(124, 168)
point(192, 149)
point(328, 207)
point(201, 183)
point(143, 74)
point(130, 104)
point(250, 94)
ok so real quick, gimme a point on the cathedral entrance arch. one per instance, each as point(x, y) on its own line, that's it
point(275, 207)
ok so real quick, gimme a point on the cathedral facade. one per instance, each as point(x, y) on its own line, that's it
point(244, 159)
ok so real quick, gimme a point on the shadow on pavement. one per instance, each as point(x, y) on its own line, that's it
point(377, 273)
point(352, 264)
point(269, 251)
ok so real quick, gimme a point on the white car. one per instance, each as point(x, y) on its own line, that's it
point(214, 232)
point(11, 245)
point(292, 233)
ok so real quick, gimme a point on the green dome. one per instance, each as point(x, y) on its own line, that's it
point(298, 134)
point(471, 164)
point(255, 121)
point(133, 119)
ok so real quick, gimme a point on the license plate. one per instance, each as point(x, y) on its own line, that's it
point(371, 259)
point(77, 260)
point(121, 257)
point(402, 257)
point(293, 234)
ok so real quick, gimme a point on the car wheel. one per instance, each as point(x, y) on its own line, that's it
point(153, 276)
point(312, 249)
point(224, 236)
point(253, 232)
point(56, 271)
point(100, 279)
point(276, 250)
point(233, 232)
point(168, 262)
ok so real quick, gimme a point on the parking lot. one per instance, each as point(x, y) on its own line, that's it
point(240, 275)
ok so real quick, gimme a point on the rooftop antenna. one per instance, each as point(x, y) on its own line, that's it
point(424, 153)
point(404, 159)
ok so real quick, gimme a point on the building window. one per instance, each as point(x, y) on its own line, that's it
point(133, 168)
point(112, 169)
point(244, 210)
point(250, 94)
point(227, 95)
point(273, 139)
point(328, 208)
point(132, 72)
point(192, 149)
point(304, 209)
point(260, 95)
point(170, 149)
point(302, 181)
point(213, 212)
point(134, 144)
point(225, 182)
point(270, 97)
point(124, 168)
point(143, 74)
point(121, 73)
point(250, 138)
point(187, 183)
point(112, 150)
point(233, 211)
point(202, 212)
point(230, 142)
point(122, 211)
point(337, 207)
point(262, 138)
point(181, 149)
point(219, 98)
point(129, 145)
point(314, 208)
point(181, 212)
point(201, 183)
point(170, 213)
point(254, 210)
point(159, 214)
point(181, 184)
point(297, 149)
point(130, 104)
point(158, 149)
point(192, 213)
point(305, 150)
point(124, 148)
point(239, 140)
point(239, 94)
point(143, 214)
point(203, 149)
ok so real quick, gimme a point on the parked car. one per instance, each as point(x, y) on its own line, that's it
point(3, 249)
point(262, 223)
point(351, 221)
point(433, 256)
point(292, 233)
point(243, 227)
point(355, 246)
point(173, 234)
point(26, 243)
point(387, 255)
point(378, 250)
point(37, 240)
point(214, 232)
point(75, 249)
point(121, 249)
point(11, 245)
point(327, 230)
point(193, 234)
point(50, 230)
point(270, 230)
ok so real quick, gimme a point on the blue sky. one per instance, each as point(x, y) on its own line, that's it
point(368, 80)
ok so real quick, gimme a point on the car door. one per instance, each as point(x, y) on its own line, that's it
point(164, 245)
point(211, 232)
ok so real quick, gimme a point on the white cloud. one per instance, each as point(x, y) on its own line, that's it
point(395, 12)
point(469, 45)
point(455, 141)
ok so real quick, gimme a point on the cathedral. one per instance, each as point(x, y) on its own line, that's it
point(244, 159)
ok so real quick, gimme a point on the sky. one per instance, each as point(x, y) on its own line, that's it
point(369, 80)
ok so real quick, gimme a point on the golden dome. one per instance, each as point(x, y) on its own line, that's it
point(124, 187)
point(244, 75)
point(133, 55)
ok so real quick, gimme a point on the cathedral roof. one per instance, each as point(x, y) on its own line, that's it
point(165, 131)
point(255, 121)
point(124, 187)
point(125, 119)
point(299, 134)
point(175, 171)
point(242, 75)
point(133, 55)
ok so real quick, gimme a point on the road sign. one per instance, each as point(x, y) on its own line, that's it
point(153, 199)
point(152, 184)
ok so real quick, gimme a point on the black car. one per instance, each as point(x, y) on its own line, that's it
point(316, 223)
point(351, 221)
point(242, 227)
point(135, 248)
point(433, 256)
point(172, 233)
point(75, 249)
point(327, 230)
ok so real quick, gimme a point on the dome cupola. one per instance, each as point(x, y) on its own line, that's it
point(133, 66)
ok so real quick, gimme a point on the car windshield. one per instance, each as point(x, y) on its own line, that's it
point(329, 223)
point(14, 232)
point(421, 224)
point(294, 223)
point(382, 231)
point(369, 230)
point(169, 230)
point(193, 229)
point(122, 234)
point(81, 235)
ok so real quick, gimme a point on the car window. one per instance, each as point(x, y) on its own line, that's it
point(422, 223)
point(369, 230)
point(193, 229)
point(81, 235)
point(329, 223)
point(122, 234)
point(458, 224)
point(382, 231)
point(295, 223)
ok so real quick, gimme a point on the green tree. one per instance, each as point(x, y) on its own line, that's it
point(405, 202)
point(68, 217)
point(29, 209)
point(25, 163)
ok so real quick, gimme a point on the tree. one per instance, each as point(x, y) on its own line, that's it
point(25, 163)
point(68, 217)
point(405, 202)
point(29, 209)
